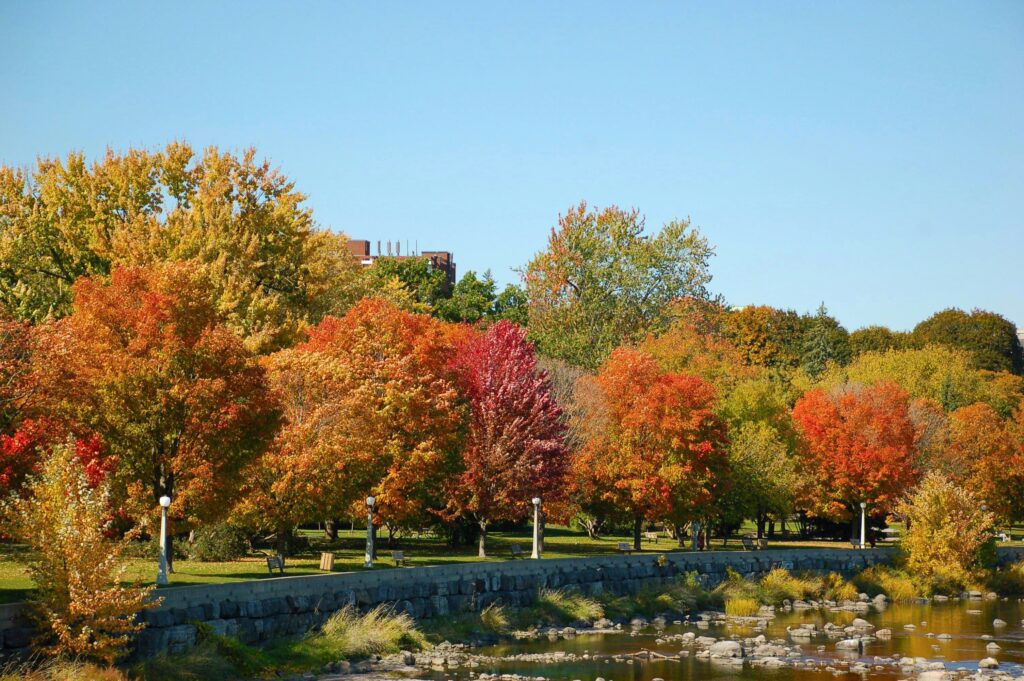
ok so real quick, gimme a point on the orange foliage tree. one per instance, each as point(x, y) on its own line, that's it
point(658, 450)
point(514, 448)
point(858, 446)
point(984, 456)
point(304, 472)
point(145, 363)
point(400, 406)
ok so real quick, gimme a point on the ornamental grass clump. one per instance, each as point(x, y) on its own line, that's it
point(80, 606)
point(556, 606)
point(379, 632)
point(780, 585)
point(742, 607)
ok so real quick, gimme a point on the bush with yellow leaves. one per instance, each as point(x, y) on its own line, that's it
point(80, 607)
point(947, 532)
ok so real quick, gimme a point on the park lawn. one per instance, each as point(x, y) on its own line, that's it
point(559, 542)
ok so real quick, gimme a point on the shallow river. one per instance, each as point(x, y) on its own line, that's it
point(969, 623)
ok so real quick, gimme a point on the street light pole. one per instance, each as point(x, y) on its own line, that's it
point(161, 573)
point(863, 506)
point(369, 532)
point(536, 528)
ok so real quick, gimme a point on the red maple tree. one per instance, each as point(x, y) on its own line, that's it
point(857, 446)
point(514, 449)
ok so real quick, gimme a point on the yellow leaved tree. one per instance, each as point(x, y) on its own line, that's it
point(80, 607)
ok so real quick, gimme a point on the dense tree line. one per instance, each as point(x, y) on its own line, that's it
point(183, 322)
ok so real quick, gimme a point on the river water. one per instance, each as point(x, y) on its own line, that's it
point(967, 623)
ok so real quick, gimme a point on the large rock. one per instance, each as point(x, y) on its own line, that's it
point(850, 644)
point(726, 649)
point(988, 663)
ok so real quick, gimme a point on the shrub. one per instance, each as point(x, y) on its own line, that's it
point(218, 543)
point(742, 607)
point(1008, 580)
point(946, 532)
point(838, 589)
point(80, 606)
point(896, 584)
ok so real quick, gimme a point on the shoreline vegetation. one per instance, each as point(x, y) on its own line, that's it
point(357, 641)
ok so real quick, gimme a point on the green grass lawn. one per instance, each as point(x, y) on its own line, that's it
point(560, 542)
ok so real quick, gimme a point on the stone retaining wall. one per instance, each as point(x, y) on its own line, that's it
point(258, 610)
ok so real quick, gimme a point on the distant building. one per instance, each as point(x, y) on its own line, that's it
point(1020, 335)
point(439, 260)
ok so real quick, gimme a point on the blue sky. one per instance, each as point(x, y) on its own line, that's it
point(868, 154)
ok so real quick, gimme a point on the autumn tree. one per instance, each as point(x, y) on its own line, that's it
point(766, 336)
point(984, 456)
point(947, 528)
point(764, 475)
point(989, 337)
point(271, 270)
point(659, 450)
point(399, 404)
point(145, 363)
point(877, 339)
point(858, 447)
point(80, 606)
point(304, 473)
point(695, 344)
point(938, 373)
point(602, 281)
point(514, 448)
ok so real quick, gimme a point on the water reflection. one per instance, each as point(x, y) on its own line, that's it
point(957, 633)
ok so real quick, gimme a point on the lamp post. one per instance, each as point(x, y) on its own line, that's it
point(161, 573)
point(536, 528)
point(862, 524)
point(370, 501)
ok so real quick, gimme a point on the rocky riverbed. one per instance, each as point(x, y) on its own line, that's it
point(974, 636)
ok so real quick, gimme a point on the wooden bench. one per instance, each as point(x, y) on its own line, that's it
point(275, 562)
point(624, 547)
point(516, 550)
point(748, 543)
point(398, 557)
point(651, 536)
point(327, 561)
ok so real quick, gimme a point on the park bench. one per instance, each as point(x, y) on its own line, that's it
point(625, 547)
point(516, 550)
point(326, 561)
point(651, 536)
point(752, 543)
point(398, 557)
point(275, 562)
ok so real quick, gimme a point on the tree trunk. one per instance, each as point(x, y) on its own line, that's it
point(282, 540)
point(331, 530)
point(482, 545)
point(638, 523)
point(771, 529)
point(170, 548)
point(760, 525)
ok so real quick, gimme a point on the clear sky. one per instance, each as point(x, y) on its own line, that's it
point(868, 154)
